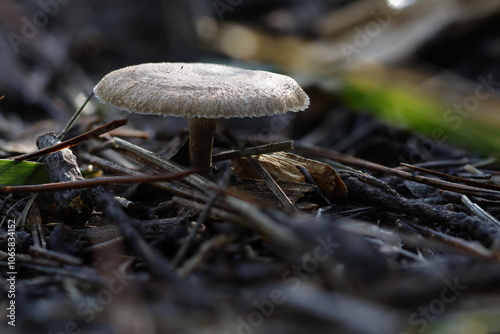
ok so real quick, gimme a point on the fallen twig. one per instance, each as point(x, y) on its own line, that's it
point(73, 119)
point(207, 248)
point(256, 150)
point(478, 211)
point(368, 194)
point(360, 163)
point(454, 178)
point(271, 183)
point(195, 180)
point(465, 246)
point(201, 219)
point(57, 256)
point(176, 188)
point(73, 141)
point(94, 182)
point(158, 264)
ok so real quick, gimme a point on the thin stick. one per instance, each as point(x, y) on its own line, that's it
point(177, 188)
point(37, 227)
point(310, 180)
point(271, 183)
point(478, 211)
point(195, 180)
point(73, 141)
point(206, 249)
point(158, 265)
point(73, 119)
point(104, 244)
point(85, 274)
point(78, 184)
point(57, 256)
point(35, 232)
point(11, 208)
point(470, 247)
point(201, 219)
point(360, 163)
point(256, 150)
point(216, 212)
point(454, 178)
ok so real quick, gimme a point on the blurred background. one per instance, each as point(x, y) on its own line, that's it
point(390, 81)
point(430, 67)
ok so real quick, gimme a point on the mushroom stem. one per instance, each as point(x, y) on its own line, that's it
point(201, 139)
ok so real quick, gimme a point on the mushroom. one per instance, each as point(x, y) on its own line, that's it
point(202, 93)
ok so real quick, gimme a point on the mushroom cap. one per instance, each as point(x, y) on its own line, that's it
point(200, 90)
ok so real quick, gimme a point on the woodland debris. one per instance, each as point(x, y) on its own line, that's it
point(78, 184)
point(283, 167)
point(23, 241)
point(263, 173)
point(73, 141)
point(300, 194)
point(256, 150)
point(73, 207)
point(55, 256)
point(149, 229)
point(113, 211)
point(481, 190)
point(179, 256)
point(484, 231)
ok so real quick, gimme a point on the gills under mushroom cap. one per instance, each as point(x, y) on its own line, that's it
point(200, 90)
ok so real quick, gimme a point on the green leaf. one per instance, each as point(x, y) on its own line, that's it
point(17, 173)
point(425, 113)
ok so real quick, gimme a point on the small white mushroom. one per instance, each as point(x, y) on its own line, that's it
point(202, 93)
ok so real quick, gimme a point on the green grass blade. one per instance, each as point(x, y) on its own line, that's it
point(14, 173)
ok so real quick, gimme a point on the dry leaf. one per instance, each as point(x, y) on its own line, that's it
point(283, 167)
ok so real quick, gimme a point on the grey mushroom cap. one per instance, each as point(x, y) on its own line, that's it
point(200, 90)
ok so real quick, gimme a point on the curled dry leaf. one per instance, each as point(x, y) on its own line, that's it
point(283, 167)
